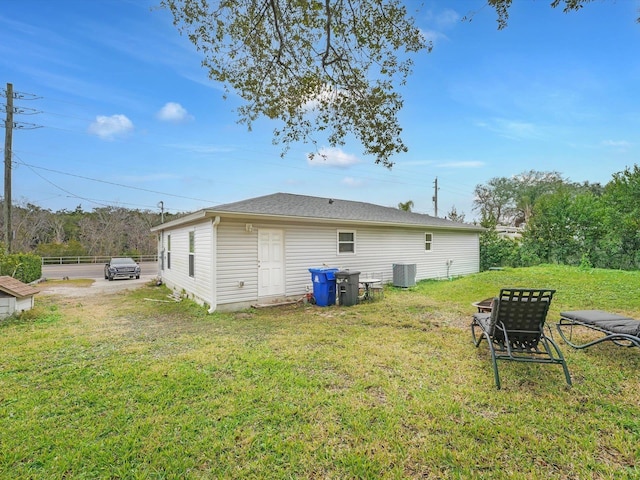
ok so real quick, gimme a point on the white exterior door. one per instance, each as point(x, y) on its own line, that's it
point(270, 263)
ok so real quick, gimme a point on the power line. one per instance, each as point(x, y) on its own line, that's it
point(25, 126)
point(27, 111)
point(59, 187)
point(388, 177)
point(20, 95)
point(103, 203)
point(115, 184)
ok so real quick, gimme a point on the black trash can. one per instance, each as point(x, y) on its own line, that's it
point(347, 284)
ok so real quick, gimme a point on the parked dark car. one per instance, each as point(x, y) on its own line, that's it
point(121, 268)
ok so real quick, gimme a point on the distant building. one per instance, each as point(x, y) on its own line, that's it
point(507, 231)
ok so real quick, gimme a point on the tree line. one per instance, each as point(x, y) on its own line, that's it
point(561, 222)
point(583, 224)
point(101, 231)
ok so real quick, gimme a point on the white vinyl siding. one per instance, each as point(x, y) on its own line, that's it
point(203, 236)
point(309, 246)
point(237, 259)
point(314, 246)
point(178, 276)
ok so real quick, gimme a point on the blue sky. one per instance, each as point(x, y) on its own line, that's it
point(129, 118)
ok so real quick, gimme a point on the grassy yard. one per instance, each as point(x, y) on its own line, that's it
point(131, 386)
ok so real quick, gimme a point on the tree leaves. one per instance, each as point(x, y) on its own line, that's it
point(327, 70)
point(568, 223)
point(282, 57)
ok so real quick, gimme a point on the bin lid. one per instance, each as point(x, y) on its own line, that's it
point(346, 273)
point(323, 269)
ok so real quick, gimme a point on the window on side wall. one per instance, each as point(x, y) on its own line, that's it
point(192, 251)
point(161, 250)
point(346, 242)
point(169, 252)
point(428, 241)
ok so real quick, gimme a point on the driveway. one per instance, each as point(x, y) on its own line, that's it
point(89, 270)
point(88, 280)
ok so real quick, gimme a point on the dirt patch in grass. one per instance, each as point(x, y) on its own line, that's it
point(87, 287)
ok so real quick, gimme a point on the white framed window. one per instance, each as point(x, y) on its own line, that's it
point(346, 241)
point(169, 252)
point(428, 241)
point(161, 250)
point(192, 252)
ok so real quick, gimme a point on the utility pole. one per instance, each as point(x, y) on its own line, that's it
point(435, 197)
point(8, 142)
point(9, 125)
point(161, 207)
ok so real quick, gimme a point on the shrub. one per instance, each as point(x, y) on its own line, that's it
point(25, 267)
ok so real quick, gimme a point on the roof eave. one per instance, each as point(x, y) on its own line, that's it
point(192, 217)
point(297, 218)
point(8, 291)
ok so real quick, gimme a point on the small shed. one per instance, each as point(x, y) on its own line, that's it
point(15, 296)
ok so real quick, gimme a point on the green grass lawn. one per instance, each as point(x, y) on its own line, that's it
point(128, 387)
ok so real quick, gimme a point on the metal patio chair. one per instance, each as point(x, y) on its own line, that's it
point(514, 329)
point(622, 331)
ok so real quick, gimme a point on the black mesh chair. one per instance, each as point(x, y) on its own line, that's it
point(514, 329)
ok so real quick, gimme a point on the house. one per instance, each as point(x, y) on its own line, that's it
point(15, 296)
point(260, 250)
point(507, 231)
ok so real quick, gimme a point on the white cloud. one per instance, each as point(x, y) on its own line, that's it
point(352, 182)
point(108, 128)
point(447, 18)
point(433, 36)
point(333, 157)
point(512, 129)
point(154, 177)
point(173, 112)
point(618, 144)
point(328, 94)
point(462, 164)
point(411, 163)
point(202, 148)
point(444, 20)
point(519, 129)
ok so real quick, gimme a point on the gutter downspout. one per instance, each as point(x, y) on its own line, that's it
point(214, 264)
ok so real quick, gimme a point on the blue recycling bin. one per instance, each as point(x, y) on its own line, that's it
point(324, 285)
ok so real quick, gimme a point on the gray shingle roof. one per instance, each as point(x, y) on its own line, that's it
point(302, 206)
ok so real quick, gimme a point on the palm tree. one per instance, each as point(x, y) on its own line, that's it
point(406, 206)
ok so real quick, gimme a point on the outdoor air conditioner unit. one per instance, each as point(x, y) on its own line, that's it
point(404, 274)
